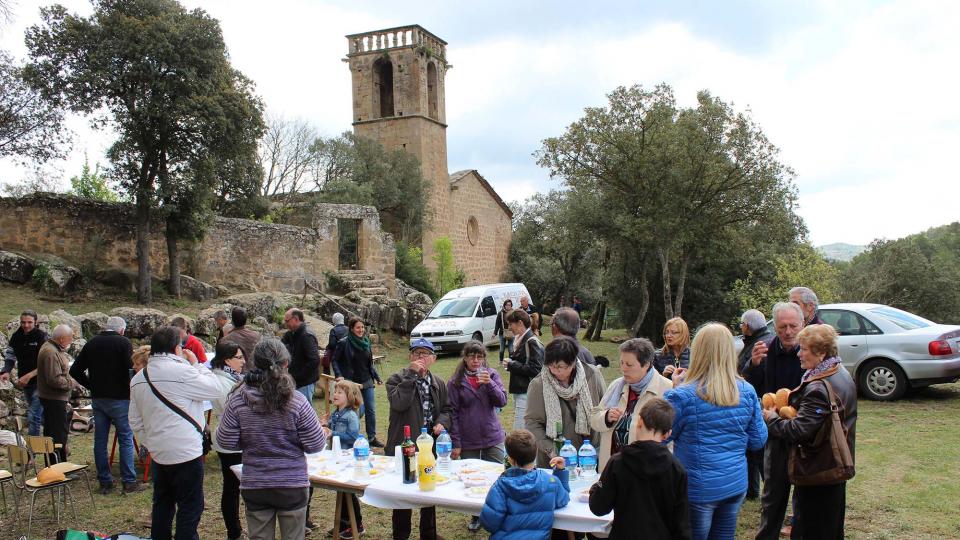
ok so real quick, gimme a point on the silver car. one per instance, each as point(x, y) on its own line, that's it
point(889, 351)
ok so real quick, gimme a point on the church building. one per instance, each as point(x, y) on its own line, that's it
point(399, 100)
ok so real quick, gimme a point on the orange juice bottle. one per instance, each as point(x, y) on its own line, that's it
point(426, 463)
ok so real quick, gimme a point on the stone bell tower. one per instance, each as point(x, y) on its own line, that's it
point(398, 100)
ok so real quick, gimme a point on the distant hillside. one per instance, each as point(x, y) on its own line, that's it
point(841, 251)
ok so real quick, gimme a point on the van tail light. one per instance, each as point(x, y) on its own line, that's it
point(939, 348)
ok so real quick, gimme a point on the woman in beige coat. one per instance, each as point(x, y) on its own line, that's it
point(616, 414)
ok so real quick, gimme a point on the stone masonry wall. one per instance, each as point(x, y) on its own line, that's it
point(236, 253)
point(486, 260)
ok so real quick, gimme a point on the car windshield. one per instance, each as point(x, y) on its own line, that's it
point(907, 321)
point(453, 307)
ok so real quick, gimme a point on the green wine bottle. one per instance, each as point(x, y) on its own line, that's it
point(558, 440)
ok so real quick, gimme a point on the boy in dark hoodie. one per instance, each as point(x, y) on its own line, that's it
point(644, 485)
point(520, 504)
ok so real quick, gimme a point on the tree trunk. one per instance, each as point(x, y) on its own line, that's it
point(594, 319)
point(681, 282)
point(596, 323)
point(173, 264)
point(644, 305)
point(144, 293)
point(664, 256)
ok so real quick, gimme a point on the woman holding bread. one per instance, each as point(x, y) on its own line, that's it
point(819, 508)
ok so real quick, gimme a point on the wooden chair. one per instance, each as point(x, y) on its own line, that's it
point(327, 381)
point(19, 458)
point(46, 446)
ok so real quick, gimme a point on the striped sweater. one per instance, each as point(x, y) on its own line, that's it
point(273, 444)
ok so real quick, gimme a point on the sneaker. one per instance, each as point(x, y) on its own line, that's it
point(133, 487)
point(105, 489)
point(309, 526)
point(786, 531)
point(347, 534)
point(375, 443)
point(474, 524)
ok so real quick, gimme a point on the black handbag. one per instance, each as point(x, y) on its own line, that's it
point(204, 431)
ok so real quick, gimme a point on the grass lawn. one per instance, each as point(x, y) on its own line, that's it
point(908, 462)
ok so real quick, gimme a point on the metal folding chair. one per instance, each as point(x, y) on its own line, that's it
point(6, 477)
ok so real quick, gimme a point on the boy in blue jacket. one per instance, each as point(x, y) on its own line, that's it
point(520, 504)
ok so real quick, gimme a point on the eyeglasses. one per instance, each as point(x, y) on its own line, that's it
point(476, 356)
point(238, 356)
point(421, 354)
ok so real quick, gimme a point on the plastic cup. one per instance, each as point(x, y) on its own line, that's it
point(335, 446)
point(398, 458)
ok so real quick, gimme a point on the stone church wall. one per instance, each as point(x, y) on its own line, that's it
point(481, 250)
point(236, 253)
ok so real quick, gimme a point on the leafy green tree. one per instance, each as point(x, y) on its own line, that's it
point(92, 184)
point(671, 180)
point(31, 128)
point(410, 269)
point(160, 75)
point(804, 266)
point(446, 275)
point(918, 273)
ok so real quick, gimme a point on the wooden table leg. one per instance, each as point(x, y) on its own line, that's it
point(348, 500)
point(336, 517)
point(571, 536)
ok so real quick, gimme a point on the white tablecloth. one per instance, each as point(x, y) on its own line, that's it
point(389, 492)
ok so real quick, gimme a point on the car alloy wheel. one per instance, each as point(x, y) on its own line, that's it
point(883, 380)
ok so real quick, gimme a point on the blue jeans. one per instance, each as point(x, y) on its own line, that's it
point(106, 412)
point(506, 346)
point(34, 409)
point(715, 520)
point(177, 491)
point(307, 392)
point(369, 412)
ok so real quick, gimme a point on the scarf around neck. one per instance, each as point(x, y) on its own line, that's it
point(637, 387)
point(232, 373)
point(362, 344)
point(553, 392)
point(822, 367)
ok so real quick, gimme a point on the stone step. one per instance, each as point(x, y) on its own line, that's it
point(355, 274)
point(373, 291)
point(366, 283)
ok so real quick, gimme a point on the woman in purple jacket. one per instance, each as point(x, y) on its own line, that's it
point(474, 392)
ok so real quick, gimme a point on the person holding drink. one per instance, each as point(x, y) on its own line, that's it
point(418, 398)
point(475, 391)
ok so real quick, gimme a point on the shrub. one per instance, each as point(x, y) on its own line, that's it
point(410, 269)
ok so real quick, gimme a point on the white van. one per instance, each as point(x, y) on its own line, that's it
point(466, 314)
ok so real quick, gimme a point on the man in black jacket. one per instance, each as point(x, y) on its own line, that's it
point(771, 368)
point(525, 363)
point(304, 353)
point(103, 367)
point(753, 326)
point(22, 351)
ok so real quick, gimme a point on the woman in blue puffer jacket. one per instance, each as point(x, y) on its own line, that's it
point(717, 420)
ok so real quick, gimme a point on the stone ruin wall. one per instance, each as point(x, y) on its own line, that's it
point(235, 253)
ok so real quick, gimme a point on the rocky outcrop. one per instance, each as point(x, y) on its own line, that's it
point(92, 323)
point(263, 304)
point(196, 289)
point(15, 267)
point(141, 322)
point(60, 280)
point(62, 317)
point(3, 341)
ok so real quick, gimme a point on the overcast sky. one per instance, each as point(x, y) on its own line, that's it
point(861, 97)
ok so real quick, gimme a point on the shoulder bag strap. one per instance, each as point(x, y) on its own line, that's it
point(171, 406)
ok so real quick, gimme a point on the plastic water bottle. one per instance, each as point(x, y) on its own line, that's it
point(361, 457)
point(569, 454)
point(444, 449)
point(588, 459)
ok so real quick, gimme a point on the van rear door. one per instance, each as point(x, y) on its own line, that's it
point(488, 308)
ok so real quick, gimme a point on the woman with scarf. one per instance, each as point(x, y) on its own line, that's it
point(228, 365)
point(353, 361)
point(616, 415)
point(565, 392)
point(820, 509)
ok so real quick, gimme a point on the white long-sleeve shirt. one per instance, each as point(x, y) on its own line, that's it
point(167, 435)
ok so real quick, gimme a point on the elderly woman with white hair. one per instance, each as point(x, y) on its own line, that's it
point(103, 366)
point(54, 385)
